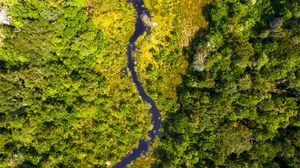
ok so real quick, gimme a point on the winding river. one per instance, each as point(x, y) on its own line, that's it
point(140, 29)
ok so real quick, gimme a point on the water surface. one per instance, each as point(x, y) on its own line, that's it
point(140, 29)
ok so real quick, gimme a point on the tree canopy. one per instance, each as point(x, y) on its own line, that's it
point(225, 75)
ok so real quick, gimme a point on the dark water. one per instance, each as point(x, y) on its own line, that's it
point(140, 28)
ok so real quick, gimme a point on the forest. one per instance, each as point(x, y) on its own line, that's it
point(225, 75)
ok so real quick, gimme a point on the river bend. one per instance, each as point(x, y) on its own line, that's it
point(140, 29)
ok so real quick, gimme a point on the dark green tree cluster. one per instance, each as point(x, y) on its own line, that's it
point(53, 110)
point(240, 101)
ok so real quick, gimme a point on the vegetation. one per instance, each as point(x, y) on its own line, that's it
point(225, 75)
point(160, 59)
point(62, 103)
point(239, 101)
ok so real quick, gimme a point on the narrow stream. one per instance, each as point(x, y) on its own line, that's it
point(140, 28)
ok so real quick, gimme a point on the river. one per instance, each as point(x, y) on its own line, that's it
point(140, 29)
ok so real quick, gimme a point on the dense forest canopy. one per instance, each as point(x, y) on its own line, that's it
point(225, 75)
point(60, 106)
point(239, 101)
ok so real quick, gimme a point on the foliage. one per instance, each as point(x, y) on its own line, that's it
point(160, 61)
point(57, 108)
point(239, 101)
point(227, 85)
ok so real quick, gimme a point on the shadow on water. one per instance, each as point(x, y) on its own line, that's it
point(140, 28)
